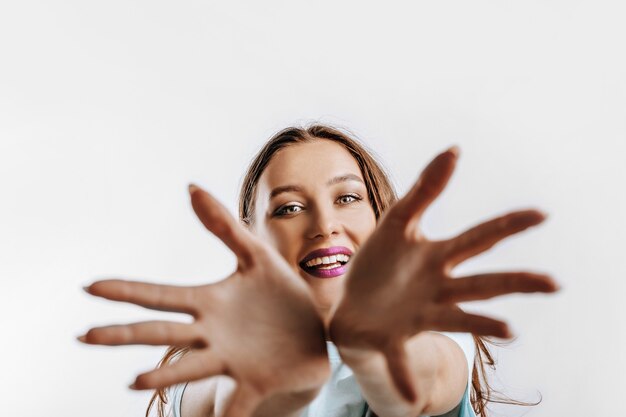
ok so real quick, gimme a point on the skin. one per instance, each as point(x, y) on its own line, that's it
point(418, 295)
point(316, 212)
point(401, 366)
point(316, 215)
point(258, 327)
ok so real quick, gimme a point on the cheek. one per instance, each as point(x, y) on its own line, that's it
point(285, 238)
point(362, 223)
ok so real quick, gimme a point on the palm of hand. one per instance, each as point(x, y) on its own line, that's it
point(258, 326)
point(384, 290)
point(268, 331)
point(399, 282)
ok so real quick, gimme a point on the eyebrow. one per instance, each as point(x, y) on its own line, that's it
point(295, 188)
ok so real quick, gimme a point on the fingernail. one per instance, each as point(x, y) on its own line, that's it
point(455, 150)
point(86, 289)
point(82, 338)
point(133, 386)
point(192, 187)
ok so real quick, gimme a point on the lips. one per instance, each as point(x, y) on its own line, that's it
point(321, 253)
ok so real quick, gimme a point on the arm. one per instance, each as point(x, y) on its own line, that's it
point(209, 397)
point(258, 326)
point(437, 362)
point(438, 367)
point(399, 287)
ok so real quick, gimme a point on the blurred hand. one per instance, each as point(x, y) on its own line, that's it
point(258, 326)
point(399, 282)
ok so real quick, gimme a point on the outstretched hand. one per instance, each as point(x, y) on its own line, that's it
point(399, 282)
point(258, 326)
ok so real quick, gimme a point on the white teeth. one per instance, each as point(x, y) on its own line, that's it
point(342, 258)
point(333, 266)
point(328, 260)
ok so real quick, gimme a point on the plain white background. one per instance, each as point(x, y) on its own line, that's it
point(109, 109)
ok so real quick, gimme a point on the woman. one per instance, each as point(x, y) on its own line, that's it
point(318, 262)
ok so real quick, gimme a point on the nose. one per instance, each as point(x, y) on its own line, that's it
point(323, 223)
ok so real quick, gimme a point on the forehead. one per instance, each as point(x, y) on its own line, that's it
point(309, 163)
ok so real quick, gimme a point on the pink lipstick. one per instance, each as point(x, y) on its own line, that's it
point(326, 262)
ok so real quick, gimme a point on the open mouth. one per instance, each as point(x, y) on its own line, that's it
point(327, 262)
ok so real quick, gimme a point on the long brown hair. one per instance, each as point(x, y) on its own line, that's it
point(382, 195)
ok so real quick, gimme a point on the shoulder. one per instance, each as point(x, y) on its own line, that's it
point(465, 341)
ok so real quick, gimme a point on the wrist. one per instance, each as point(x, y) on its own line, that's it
point(357, 357)
point(286, 404)
point(300, 397)
point(353, 350)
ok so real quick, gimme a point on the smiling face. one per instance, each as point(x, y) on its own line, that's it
point(312, 205)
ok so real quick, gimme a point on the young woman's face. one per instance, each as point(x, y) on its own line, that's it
point(312, 205)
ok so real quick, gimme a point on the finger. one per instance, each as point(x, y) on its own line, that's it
point(398, 366)
point(153, 296)
point(430, 184)
point(452, 319)
point(243, 402)
point(482, 237)
point(146, 333)
point(485, 286)
point(216, 218)
point(192, 366)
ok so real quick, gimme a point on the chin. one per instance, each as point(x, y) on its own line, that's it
point(326, 293)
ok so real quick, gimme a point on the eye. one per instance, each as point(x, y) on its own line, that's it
point(349, 198)
point(287, 210)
